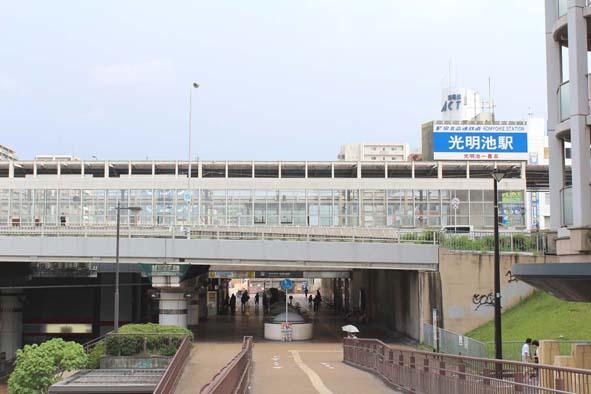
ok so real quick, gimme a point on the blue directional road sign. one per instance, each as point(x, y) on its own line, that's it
point(286, 284)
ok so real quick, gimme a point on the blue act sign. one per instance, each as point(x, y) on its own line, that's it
point(286, 284)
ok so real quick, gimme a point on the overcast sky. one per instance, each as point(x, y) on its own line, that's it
point(280, 80)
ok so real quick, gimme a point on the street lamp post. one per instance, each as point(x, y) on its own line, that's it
point(497, 177)
point(116, 307)
point(195, 85)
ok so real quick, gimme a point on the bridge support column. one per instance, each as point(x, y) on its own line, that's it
point(173, 308)
point(11, 324)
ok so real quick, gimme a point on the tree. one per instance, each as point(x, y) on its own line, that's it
point(39, 366)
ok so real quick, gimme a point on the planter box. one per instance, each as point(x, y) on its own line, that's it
point(134, 362)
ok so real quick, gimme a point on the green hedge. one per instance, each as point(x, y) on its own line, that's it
point(95, 354)
point(149, 339)
point(520, 243)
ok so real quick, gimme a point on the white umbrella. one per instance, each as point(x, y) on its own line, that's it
point(350, 328)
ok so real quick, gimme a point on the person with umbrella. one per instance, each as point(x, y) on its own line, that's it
point(351, 331)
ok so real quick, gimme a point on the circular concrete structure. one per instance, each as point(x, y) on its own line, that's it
point(297, 329)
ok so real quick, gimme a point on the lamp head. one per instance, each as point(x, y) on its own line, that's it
point(498, 175)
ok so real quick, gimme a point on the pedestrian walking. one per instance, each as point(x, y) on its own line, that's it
point(306, 291)
point(536, 352)
point(244, 300)
point(310, 300)
point(290, 300)
point(317, 301)
point(265, 302)
point(526, 352)
point(233, 303)
point(256, 300)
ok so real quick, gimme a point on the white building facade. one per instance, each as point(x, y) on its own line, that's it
point(374, 152)
point(568, 122)
point(6, 153)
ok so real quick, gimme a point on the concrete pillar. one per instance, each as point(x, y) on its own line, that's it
point(556, 146)
point(579, 108)
point(549, 350)
point(582, 355)
point(11, 324)
point(173, 308)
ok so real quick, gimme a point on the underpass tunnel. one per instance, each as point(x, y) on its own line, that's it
point(211, 318)
point(395, 300)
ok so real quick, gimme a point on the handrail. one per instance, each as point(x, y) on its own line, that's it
point(93, 342)
point(234, 377)
point(426, 372)
point(173, 372)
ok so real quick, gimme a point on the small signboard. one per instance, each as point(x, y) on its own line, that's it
point(278, 274)
point(231, 274)
point(286, 284)
point(177, 270)
point(287, 331)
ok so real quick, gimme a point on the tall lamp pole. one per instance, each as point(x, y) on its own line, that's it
point(116, 307)
point(195, 85)
point(497, 177)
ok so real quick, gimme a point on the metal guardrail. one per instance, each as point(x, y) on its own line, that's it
point(295, 233)
point(235, 376)
point(451, 343)
point(510, 241)
point(173, 372)
point(88, 346)
point(435, 373)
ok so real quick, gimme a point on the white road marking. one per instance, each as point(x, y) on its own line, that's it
point(313, 376)
point(276, 364)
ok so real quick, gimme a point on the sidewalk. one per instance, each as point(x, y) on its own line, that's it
point(206, 359)
point(308, 368)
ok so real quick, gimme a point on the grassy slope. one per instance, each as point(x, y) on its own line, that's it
point(541, 316)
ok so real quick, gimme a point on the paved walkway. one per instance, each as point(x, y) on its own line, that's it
point(313, 366)
point(206, 359)
point(308, 368)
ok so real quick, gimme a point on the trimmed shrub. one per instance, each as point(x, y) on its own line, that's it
point(39, 366)
point(95, 354)
point(154, 339)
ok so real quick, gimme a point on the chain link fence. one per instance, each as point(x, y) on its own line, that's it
point(452, 343)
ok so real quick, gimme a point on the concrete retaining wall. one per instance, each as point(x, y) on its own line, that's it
point(467, 284)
